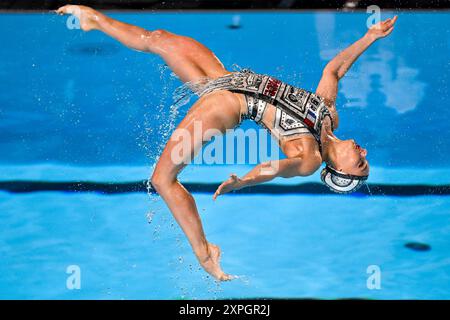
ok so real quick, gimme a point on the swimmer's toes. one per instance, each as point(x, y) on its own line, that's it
point(88, 17)
point(68, 9)
point(226, 277)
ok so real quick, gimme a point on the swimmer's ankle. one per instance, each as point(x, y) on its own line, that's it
point(203, 254)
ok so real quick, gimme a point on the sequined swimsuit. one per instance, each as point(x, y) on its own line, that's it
point(297, 111)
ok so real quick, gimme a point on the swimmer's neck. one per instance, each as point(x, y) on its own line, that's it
point(328, 140)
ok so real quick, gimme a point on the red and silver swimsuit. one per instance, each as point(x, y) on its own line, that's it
point(298, 110)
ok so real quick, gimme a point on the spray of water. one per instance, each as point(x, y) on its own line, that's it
point(159, 122)
point(368, 189)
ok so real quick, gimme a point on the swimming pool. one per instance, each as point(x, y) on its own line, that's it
point(79, 108)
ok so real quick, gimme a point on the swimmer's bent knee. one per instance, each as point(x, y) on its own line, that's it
point(156, 40)
point(161, 181)
point(156, 181)
point(159, 33)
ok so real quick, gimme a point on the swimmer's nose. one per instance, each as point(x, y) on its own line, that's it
point(364, 152)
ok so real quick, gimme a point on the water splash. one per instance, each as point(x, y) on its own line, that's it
point(368, 189)
point(157, 114)
point(183, 94)
point(242, 278)
point(159, 123)
point(150, 216)
point(237, 68)
point(156, 232)
point(166, 117)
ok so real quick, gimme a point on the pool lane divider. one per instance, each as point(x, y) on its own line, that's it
point(310, 188)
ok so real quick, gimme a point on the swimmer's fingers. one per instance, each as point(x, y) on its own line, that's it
point(219, 190)
point(391, 21)
point(388, 23)
point(227, 186)
point(388, 32)
point(382, 29)
point(394, 19)
point(216, 194)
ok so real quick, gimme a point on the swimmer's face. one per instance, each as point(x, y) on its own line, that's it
point(351, 158)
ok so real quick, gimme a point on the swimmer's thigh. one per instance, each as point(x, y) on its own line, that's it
point(210, 116)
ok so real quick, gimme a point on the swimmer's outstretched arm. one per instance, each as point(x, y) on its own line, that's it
point(286, 168)
point(340, 64)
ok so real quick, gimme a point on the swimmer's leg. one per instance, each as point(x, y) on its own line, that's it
point(188, 59)
point(222, 113)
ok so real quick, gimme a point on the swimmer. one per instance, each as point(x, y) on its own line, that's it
point(303, 122)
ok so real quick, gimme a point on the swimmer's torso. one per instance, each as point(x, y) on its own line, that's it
point(294, 117)
point(281, 125)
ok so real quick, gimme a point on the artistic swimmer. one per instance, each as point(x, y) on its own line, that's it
point(303, 122)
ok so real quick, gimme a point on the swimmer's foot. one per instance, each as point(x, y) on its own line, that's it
point(211, 264)
point(88, 17)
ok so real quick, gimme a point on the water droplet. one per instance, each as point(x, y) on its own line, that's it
point(150, 216)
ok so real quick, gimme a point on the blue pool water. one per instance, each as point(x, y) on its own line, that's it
point(80, 107)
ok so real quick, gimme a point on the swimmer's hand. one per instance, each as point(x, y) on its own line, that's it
point(381, 29)
point(233, 183)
